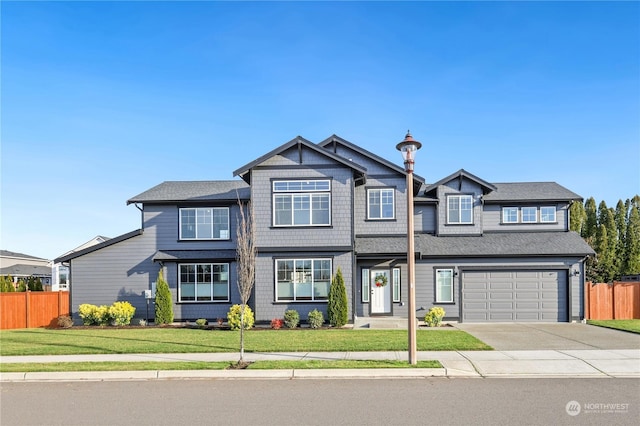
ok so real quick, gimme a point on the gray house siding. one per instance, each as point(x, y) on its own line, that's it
point(424, 219)
point(462, 187)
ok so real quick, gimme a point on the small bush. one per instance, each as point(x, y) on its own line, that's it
point(121, 313)
point(201, 322)
point(164, 302)
point(315, 318)
point(434, 317)
point(65, 321)
point(291, 318)
point(233, 317)
point(338, 305)
point(142, 322)
point(277, 323)
point(94, 315)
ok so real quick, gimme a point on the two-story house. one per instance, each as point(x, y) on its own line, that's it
point(484, 251)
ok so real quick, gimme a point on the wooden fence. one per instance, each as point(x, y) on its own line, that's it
point(32, 309)
point(620, 300)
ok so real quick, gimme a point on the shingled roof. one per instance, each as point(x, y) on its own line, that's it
point(177, 191)
point(530, 191)
point(488, 245)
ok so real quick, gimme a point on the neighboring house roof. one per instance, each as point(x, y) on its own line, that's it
point(176, 255)
point(516, 244)
point(460, 174)
point(92, 242)
point(22, 270)
point(177, 191)
point(7, 253)
point(99, 246)
point(530, 191)
point(245, 171)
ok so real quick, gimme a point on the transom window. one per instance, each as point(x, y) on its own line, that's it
point(444, 285)
point(207, 223)
point(548, 214)
point(302, 280)
point(203, 282)
point(381, 204)
point(460, 209)
point(301, 203)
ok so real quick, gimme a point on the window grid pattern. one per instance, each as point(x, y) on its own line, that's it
point(460, 209)
point(303, 280)
point(203, 282)
point(444, 285)
point(302, 203)
point(381, 204)
point(209, 223)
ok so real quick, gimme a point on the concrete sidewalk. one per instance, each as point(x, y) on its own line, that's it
point(538, 363)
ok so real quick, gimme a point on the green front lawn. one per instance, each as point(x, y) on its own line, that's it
point(40, 341)
point(632, 325)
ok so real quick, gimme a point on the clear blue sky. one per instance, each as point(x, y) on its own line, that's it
point(103, 100)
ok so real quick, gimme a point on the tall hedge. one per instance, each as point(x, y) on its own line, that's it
point(337, 308)
point(164, 303)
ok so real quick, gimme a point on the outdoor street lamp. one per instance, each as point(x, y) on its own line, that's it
point(408, 147)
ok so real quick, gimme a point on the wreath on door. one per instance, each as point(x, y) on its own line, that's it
point(380, 280)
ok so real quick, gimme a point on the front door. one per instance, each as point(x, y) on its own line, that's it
point(380, 292)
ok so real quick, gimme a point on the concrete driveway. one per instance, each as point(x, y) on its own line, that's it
point(546, 336)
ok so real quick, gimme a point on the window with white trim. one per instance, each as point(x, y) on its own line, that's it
point(301, 203)
point(380, 203)
point(206, 223)
point(509, 215)
point(203, 282)
point(303, 280)
point(444, 285)
point(459, 209)
point(365, 285)
point(395, 280)
point(548, 214)
point(529, 214)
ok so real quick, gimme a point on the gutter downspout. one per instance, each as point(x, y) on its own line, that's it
point(141, 216)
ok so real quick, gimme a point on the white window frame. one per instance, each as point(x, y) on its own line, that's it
point(395, 281)
point(507, 214)
point(438, 292)
point(305, 191)
point(365, 285)
point(380, 198)
point(296, 280)
point(542, 214)
point(535, 215)
point(459, 199)
point(212, 283)
point(224, 233)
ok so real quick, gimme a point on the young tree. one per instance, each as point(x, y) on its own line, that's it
point(246, 261)
point(164, 303)
point(337, 306)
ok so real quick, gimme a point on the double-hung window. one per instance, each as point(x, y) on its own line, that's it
point(302, 280)
point(460, 209)
point(301, 203)
point(529, 214)
point(203, 282)
point(510, 215)
point(548, 214)
point(380, 204)
point(444, 285)
point(206, 223)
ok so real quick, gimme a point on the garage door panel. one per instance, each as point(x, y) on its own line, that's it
point(527, 295)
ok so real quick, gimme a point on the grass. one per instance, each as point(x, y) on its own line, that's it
point(632, 325)
point(201, 365)
point(41, 341)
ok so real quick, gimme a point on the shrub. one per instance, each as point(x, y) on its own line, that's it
point(94, 315)
point(291, 318)
point(337, 307)
point(121, 313)
point(201, 322)
point(276, 323)
point(22, 286)
point(233, 317)
point(434, 317)
point(142, 322)
point(65, 321)
point(164, 303)
point(315, 318)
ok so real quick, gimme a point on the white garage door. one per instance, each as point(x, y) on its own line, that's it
point(514, 296)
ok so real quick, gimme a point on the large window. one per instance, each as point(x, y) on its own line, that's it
point(548, 214)
point(380, 204)
point(444, 285)
point(460, 209)
point(301, 203)
point(208, 223)
point(303, 280)
point(203, 282)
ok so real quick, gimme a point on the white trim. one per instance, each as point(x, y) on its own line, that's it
point(393, 203)
point(438, 289)
point(365, 285)
point(195, 209)
point(212, 283)
point(459, 202)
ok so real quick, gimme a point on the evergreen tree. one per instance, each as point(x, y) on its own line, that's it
point(164, 303)
point(591, 220)
point(577, 217)
point(11, 288)
point(22, 285)
point(621, 216)
point(632, 241)
point(337, 306)
point(4, 288)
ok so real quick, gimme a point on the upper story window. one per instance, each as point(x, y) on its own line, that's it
point(301, 203)
point(302, 280)
point(460, 209)
point(381, 204)
point(208, 223)
point(203, 282)
point(510, 215)
point(548, 214)
point(529, 215)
